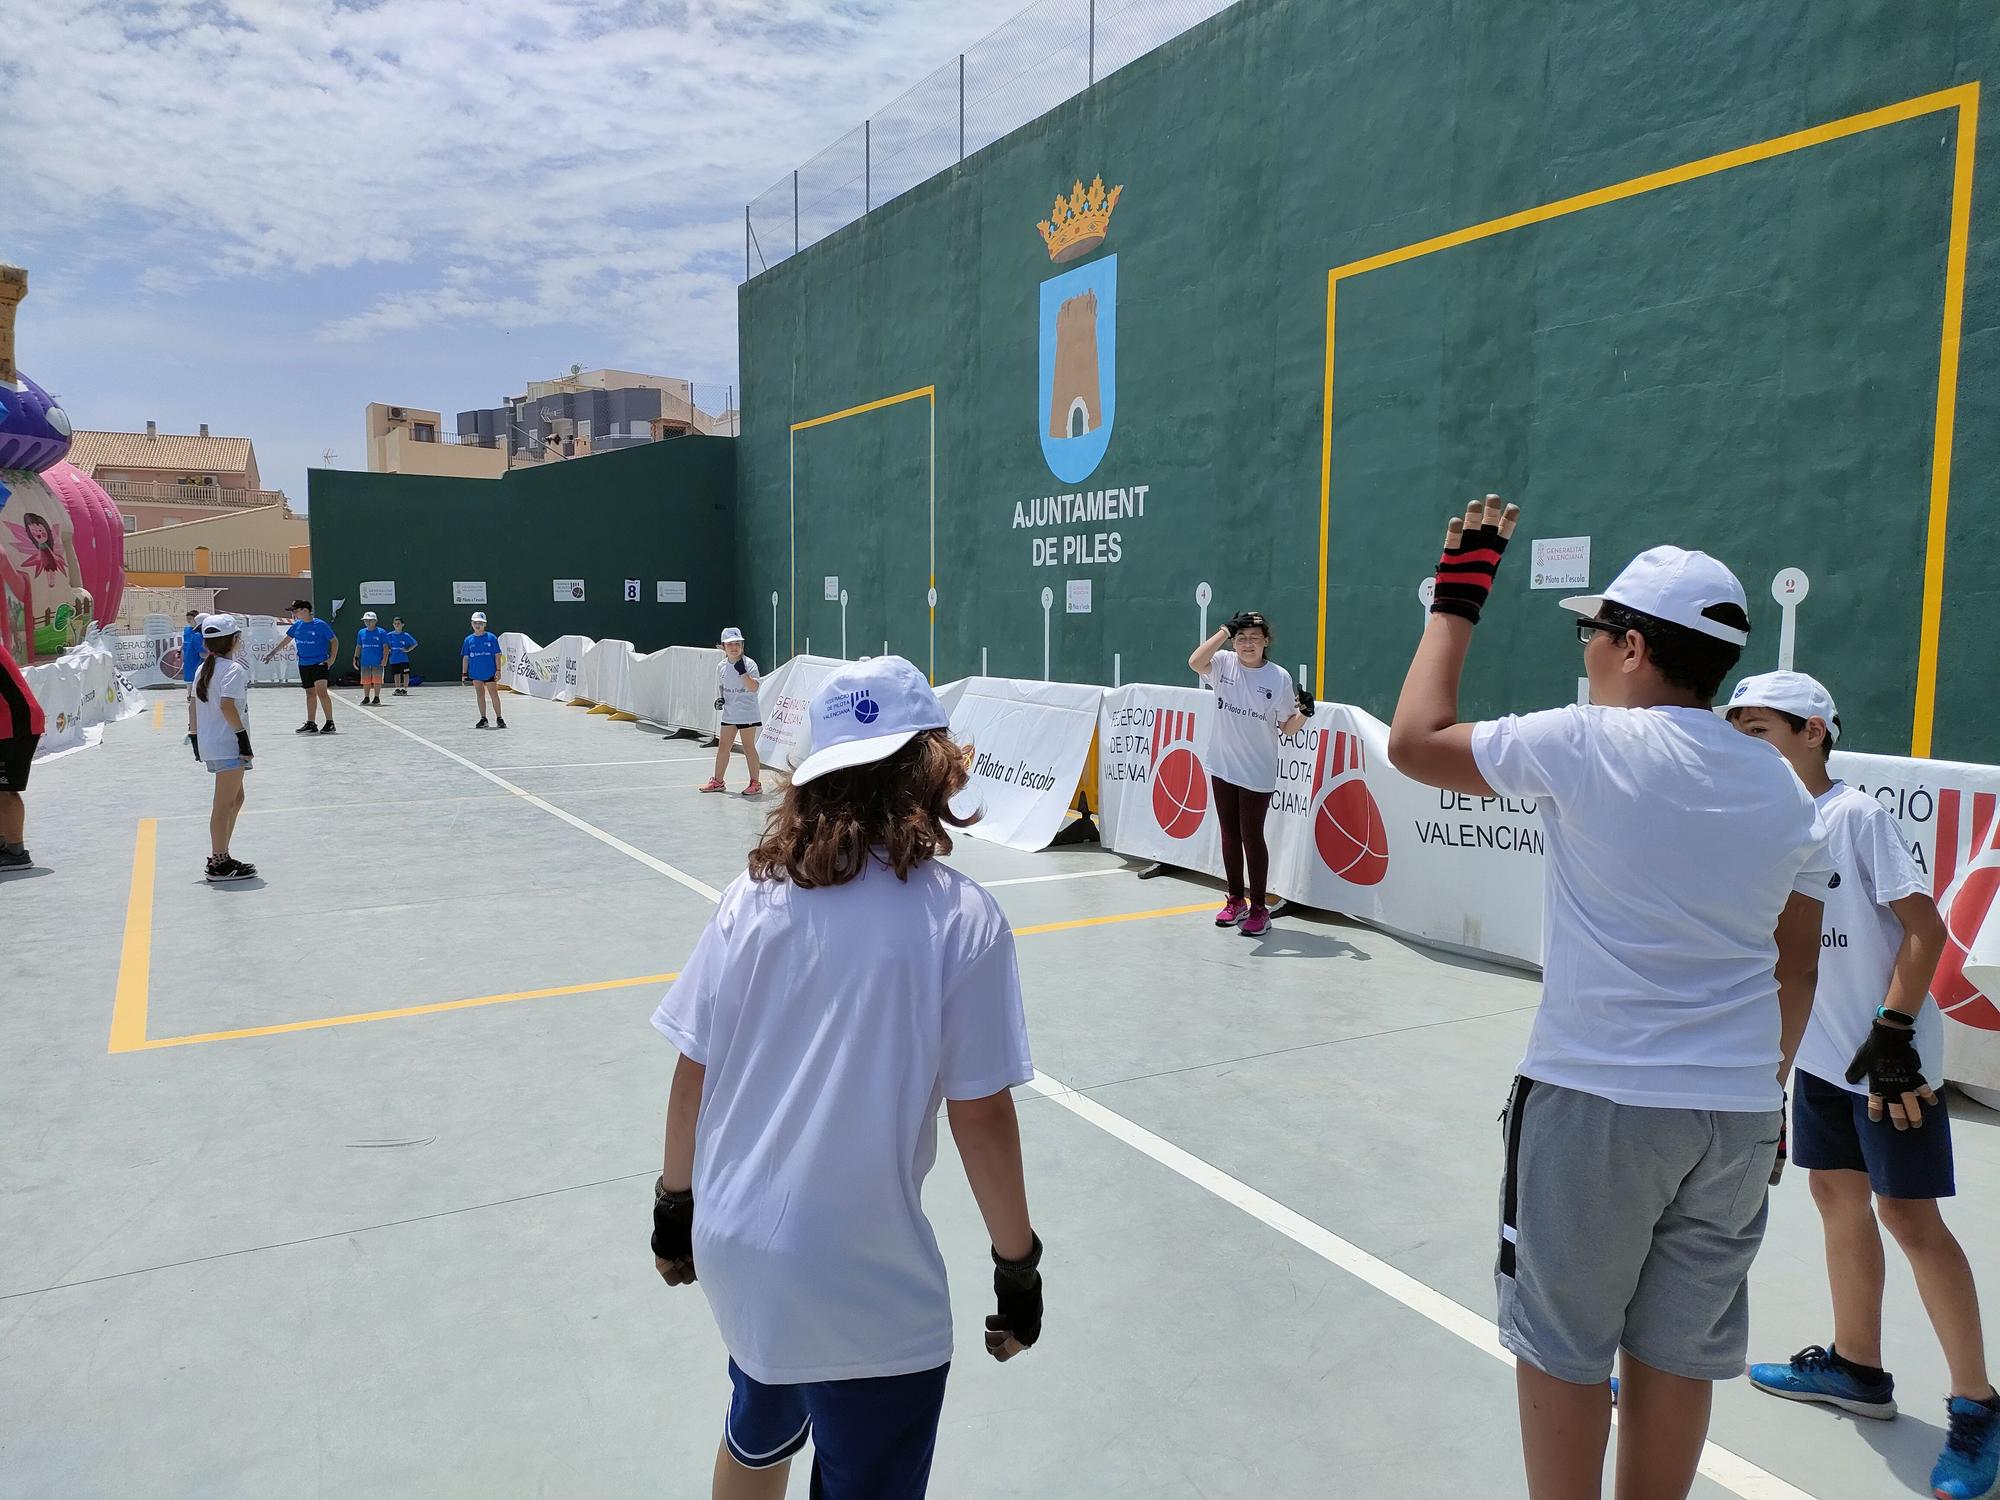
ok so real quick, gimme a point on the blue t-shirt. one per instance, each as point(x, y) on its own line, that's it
point(371, 645)
point(401, 644)
point(192, 651)
point(483, 653)
point(314, 639)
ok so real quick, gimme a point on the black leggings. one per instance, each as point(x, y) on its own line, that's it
point(1241, 814)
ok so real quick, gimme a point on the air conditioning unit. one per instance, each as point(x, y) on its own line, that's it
point(395, 413)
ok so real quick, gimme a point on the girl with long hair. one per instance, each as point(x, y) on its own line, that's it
point(1256, 702)
point(221, 738)
point(848, 983)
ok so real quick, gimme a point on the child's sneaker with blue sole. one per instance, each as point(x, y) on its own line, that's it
point(1969, 1467)
point(1817, 1374)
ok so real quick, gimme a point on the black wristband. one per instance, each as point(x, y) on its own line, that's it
point(1027, 1264)
point(673, 1222)
point(243, 743)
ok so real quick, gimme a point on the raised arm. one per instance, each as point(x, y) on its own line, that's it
point(1204, 654)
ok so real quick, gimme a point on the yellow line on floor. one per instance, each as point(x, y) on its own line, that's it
point(398, 1014)
point(159, 714)
point(135, 962)
point(1123, 916)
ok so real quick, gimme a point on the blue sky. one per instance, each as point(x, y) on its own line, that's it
point(264, 214)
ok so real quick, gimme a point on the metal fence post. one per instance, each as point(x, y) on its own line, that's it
point(1093, 42)
point(746, 242)
point(961, 106)
point(795, 210)
point(867, 165)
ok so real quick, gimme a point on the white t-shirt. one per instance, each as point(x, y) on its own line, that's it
point(1857, 947)
point(1252, 704)
point(1673, 844)
point(212, 735)
point(739, 703)
point(832, 1023)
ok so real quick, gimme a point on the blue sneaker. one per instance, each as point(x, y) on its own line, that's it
point(1970, 1463)
point(1812, 1375)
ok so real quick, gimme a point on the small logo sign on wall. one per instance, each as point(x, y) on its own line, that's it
point(631, 591)
point(1079, 596)
point(671, 593)
point(468, 593)
point(832, 587)
point(569, 591)
point(380, 592)
point(1561, 562)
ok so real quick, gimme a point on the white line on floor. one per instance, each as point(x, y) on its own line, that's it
point(571, 765)
point(1732, 1471)
point(1045, 879)
point(700, 887)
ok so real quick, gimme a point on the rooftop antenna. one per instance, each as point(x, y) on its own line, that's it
point(327, 458)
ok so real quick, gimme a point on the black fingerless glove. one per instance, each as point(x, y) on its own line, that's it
point(742, 667)
point(673, 1224)
point(1306, 703)
point(1888, 1058)
point(194, 745)
point(1465, 573)
point(1241, 620)
point(1017, 1285)
point(243, 743)
point(718, 705)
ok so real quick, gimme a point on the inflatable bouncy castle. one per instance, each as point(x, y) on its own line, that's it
point(62, 545)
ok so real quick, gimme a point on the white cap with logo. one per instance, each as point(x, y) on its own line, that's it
point(215, 626)
point(865, 712)
point(479, 617)
point(371, 615)
point(1675, 585)
point(1791, 693)
point(731, 634)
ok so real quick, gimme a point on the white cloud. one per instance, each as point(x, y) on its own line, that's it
point(508, 163)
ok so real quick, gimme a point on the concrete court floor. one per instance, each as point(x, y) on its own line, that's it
point(406, 1256)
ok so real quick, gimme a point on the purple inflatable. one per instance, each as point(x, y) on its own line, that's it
point(34, 431)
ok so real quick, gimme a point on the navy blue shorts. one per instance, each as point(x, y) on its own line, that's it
point(1831, 1132)
point(872, 1439)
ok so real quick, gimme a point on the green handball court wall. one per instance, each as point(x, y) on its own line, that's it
point(664, 511)
point(1746, 361)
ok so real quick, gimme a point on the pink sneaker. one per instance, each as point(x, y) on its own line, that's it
point(1257, 923)
point(714, 784)
point(1232, 913)
point(755, 789)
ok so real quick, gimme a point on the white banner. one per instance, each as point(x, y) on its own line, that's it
point(80, 692)
point(676, 688)
point(1028, 742)
point(607, 674)
point(1347, 832)
point(787, 734)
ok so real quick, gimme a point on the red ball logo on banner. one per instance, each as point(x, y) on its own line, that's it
point(1348, 830)
point(1180, 794)
point(1966, 899)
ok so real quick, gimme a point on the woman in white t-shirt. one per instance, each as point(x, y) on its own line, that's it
point(736, 700)
point(1255, 702)
point(849, 983)
point(222, 738)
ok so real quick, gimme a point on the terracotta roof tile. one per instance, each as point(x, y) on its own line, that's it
point(91, 451)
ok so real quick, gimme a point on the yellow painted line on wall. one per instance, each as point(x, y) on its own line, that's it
point(128, 1021)
point(1924, 714)
point(922, 392)
point(135, 960)
point(1962, 97)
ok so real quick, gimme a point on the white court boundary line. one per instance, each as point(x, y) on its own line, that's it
point(573, 765)
point(699, 887)
point(1066, 875)
point(1732, 1471)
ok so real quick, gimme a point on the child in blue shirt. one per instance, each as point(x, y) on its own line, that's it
point(318, 649)
point(401, 644)
point(371, 655)
point(479, 664)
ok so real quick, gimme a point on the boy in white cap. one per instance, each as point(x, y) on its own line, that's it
point(736, 698)
point(1680, 931)
point(371, 655)
point(1868, 1123)
point(479, 664)
point(816, 1042)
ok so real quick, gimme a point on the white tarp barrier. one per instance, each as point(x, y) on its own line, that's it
point(80, 692)
point(1029, 742)
point(537, 671)
point(676, 687)
point(607, 674)
point(787, 735)
point(1347, 832)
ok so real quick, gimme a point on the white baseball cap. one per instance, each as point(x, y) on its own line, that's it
point(479, 617)
point(371, 615)
point(213, 626)
point(731, 634)
point(866, 712)
point(1675, 585)
point(1791, 693)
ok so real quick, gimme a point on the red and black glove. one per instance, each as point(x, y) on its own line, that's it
point(1465, 572)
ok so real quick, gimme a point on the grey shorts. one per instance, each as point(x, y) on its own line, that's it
point(1624, 1227)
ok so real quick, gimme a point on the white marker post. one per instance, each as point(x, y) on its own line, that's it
point(1426, 592)
point(1048, 603)
point(843, 624)
point(1116, 667)
point(774, 622)
point(1789, 588)
point(1203, 596)
point(982, 663)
